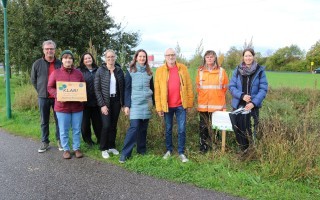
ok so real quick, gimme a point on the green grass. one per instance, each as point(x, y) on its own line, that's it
point(215, 171)
point(293, 80)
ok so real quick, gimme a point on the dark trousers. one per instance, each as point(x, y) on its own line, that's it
point(91, 115)
point(136, 134)
point(45, 104)
point(204, 124)
point(109, 125)
point(243, 128)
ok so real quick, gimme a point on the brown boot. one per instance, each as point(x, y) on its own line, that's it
point(66, 155)
point(78, 154)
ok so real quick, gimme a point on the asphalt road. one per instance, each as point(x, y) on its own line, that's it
point(27, 174)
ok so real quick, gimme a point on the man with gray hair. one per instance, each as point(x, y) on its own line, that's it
point(41, 70)
point(173, 96)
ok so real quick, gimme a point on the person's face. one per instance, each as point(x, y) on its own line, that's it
point(48, 51)
point(67, 61)
point(87, 60)
point(110, 58)
point(170, 57)
point(248, 58)
point(210, 59)
point(141, 58)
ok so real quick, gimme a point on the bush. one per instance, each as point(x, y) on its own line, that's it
point(25, 98)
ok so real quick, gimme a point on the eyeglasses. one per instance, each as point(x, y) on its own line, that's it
point(171, 55)
point(47, 49)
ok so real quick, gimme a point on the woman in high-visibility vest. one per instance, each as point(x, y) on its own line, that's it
point(212, 84)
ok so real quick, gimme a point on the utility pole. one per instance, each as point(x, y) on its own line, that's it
point(7, 66)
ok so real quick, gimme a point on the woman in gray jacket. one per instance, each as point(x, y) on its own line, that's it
point(138, 102)
point(109, 90)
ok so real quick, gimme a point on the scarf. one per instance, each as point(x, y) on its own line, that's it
point(247, 71)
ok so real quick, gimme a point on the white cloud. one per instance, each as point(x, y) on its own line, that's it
point(221, 24)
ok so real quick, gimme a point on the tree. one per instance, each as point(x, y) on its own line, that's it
point(233, 58)
point(123, 43)
point(197, 58)
point(71, 24)
point(313, 55)
point(180, 58)
point(283, 57)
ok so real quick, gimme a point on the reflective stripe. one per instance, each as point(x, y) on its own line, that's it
point(201, 73)
point(212, 106)
point(215, 87)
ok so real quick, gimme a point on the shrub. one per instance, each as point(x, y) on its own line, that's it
point(25, 98)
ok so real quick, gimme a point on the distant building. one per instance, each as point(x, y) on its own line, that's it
point(151, 60)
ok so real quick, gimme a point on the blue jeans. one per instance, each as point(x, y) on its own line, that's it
point(137, 133)
point(45, 104)
point(65, 121)
point(180, 113)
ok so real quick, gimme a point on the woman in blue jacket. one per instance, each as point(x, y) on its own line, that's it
point(138, 101)
point(248, 87)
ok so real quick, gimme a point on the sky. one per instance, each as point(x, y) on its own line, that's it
point(272, 24)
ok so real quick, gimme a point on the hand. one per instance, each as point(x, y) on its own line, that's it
point(189, 110)
point(247, 98)
point(249, 106)
point(126, 111)
point(104, 110)
point(160, 113)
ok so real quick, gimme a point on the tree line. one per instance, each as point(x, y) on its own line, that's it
point(289, 58)
point(85, 25)
point(81, 25)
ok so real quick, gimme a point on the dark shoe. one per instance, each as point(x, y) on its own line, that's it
point(66, 155)
point(44, 147)
point(78, 154)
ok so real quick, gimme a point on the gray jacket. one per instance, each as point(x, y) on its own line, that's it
point(102, 85)
point(39, 75)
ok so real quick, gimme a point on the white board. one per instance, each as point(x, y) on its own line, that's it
point(221, 121)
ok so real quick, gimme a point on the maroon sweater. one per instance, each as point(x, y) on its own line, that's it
point(70, 75)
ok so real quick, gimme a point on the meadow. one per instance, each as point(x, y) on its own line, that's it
point(283, 164)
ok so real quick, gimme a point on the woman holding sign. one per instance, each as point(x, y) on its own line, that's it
point(212, 82)
point(69, 113)
point(248, 87)
point(109, 90)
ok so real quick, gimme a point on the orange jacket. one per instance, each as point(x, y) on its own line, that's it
point(211, 87)
point(161, 87)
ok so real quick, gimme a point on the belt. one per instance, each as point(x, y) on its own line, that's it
point(113, 95)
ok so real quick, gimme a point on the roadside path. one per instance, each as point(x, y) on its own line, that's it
point(27, 174)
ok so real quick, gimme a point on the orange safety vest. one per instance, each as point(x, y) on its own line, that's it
point(211, 87)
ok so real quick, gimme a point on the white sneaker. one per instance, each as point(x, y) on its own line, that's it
point(105, 154)
point(183, 158)
point(114, 151)
point(167, 155)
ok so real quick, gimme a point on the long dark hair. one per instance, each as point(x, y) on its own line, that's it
point(82, 65)
point(132, 65)
point(215, 58)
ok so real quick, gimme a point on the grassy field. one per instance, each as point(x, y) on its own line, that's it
point(286, 164)
point(293, 80)
point(285, 79)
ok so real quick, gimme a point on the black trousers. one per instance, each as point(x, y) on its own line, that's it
point(243, 128)
point(91, 115)
point(109, 125)
point(204, 124)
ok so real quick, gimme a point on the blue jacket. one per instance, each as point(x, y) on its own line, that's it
point(138, 94)
point(258, 87)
